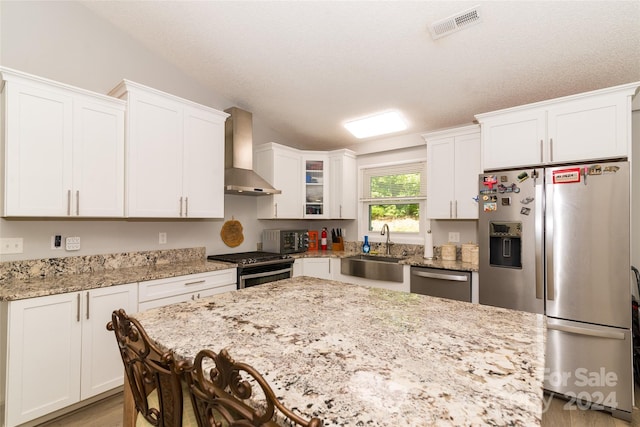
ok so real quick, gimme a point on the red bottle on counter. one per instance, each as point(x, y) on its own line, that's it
point(323, 239)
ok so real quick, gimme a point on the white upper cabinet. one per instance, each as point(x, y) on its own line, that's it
point(175, 155)
point(314, 184)
point(203, 162)
point(585, 127)
point(453, 165)
point(342, 180)
point(281, 166)
point(98, 159)
point(63, 149)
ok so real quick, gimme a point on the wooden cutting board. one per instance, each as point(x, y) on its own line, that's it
point(231, 233)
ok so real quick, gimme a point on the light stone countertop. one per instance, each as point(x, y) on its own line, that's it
point(21, 288)
point(355, 355)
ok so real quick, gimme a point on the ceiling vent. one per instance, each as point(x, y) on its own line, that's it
point(456, 22)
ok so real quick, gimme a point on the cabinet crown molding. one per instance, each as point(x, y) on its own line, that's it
point(449, 132)
point(126, 86)
point(630, 89)
point(11, 75)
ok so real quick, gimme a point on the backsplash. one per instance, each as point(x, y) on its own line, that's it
point(398, 249)
point(48, 267)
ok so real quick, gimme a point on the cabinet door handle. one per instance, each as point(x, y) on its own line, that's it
point(450, 209)
point(193, 297)
point(186, 206)
point(275, 205)
point(197, 282)
point(78, 309)
point(180, 206)
point(78, 202)
point(551, 149)
point(541, 151)
point(87, 305)
point(455, 210)
point(340, 211)
point(68, 202)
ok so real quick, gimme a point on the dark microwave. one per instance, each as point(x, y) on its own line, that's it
point(285, 241)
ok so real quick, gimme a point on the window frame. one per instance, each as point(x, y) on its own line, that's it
point(364, 204)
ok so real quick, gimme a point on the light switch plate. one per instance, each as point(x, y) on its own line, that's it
point(72, 243)
point(454, 237)
point(11, 245)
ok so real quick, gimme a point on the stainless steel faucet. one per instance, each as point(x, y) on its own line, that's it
point(388, 243)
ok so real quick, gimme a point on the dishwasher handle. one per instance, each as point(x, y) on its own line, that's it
point(451, 277)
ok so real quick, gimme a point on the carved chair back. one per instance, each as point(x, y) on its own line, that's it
point(220, 389)
point(155, 387)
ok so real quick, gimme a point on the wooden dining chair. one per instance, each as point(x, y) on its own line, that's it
point(219, 392)
point(156, 389)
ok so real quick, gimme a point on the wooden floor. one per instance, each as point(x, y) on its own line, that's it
point(108, 413)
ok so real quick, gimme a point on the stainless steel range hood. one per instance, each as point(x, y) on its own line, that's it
point(239, 177)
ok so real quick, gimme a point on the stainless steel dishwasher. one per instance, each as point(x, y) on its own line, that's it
point(441, 283)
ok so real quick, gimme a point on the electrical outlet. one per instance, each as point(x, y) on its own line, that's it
point(56, 241)
point(162, 238)
point(11, 245)
point(72, 243)
point(454, 237)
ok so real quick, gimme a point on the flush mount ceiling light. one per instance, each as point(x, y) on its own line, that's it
point(377, 124)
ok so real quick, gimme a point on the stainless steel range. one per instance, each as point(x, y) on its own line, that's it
point(256, 268)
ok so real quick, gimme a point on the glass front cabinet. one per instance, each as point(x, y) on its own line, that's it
point(316, 186)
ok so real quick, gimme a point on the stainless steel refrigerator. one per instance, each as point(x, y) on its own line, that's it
point(556, 241)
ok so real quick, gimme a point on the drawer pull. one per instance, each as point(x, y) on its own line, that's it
point(197, 282)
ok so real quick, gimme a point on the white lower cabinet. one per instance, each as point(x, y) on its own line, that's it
point(317, 267)
point(59, 350)
point(161, 292)
point(297, 267)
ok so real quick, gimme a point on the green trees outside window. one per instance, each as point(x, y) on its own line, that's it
point(401, 216)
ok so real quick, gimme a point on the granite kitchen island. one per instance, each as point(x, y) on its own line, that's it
point(354, 355)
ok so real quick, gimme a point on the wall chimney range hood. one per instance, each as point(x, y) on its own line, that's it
point(239, 177)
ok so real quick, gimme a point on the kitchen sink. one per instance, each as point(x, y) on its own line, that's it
point(373, 267)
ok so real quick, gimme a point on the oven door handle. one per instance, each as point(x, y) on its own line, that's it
point(265, 273)
point(275, 261)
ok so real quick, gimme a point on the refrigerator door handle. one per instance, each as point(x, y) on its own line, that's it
point(585, 331)
point(539, 213)
point(551, 292)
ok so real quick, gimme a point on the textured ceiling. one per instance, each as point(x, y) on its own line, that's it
point(306, 66)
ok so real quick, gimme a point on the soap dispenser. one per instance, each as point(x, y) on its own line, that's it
point(365, 246)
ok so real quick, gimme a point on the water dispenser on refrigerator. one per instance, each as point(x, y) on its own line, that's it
point(505, 243)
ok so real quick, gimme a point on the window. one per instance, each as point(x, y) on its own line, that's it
point(394, 195)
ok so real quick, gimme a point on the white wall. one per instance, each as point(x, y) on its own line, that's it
point(64, 41)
